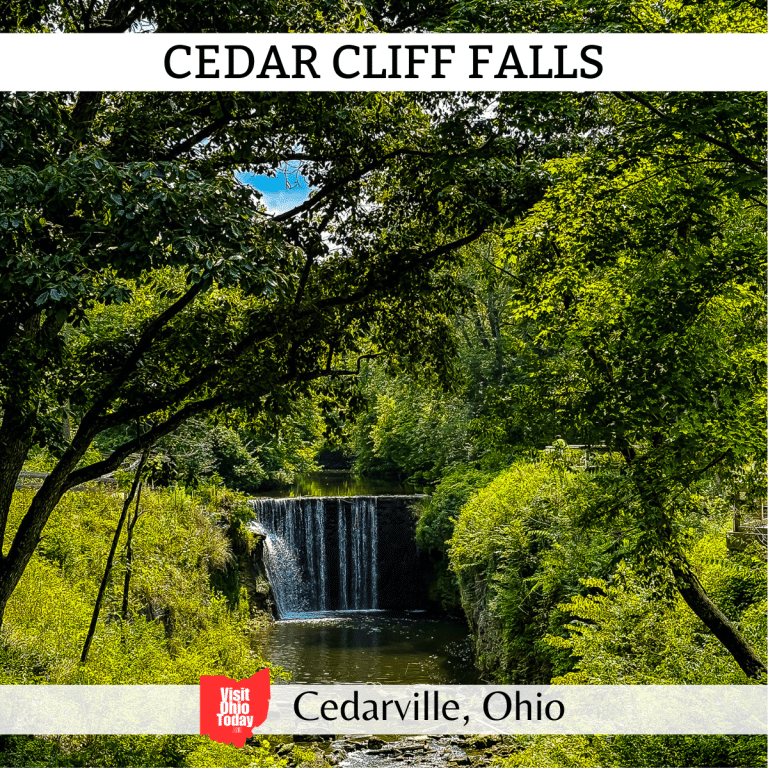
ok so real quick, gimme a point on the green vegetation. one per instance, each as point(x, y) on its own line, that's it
point(636, 751)
point(178, 626)
point(182, 751)
point(471, 278)
point(244, 455)
point(551, 597)
point(178, 629)
point(435, 527)
point(554, 598)
point(518, 550)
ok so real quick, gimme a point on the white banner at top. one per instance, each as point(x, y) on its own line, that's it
point(384, 62)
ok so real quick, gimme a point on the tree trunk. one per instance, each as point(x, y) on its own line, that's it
point(690, 587)
point(65, 476)
point(718, 623)
point(30, 528)
point(110, 559)
point(13, 454)
point(66, 424)
point(129, 554)
point(16, 432)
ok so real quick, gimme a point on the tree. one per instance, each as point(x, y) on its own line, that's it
point(135, 491)
point(412, 427)
point(388, 16)
point(139, 279)
point(643, 270)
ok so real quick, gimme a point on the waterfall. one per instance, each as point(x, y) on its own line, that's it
point(319, 561)
point(374, 527)
point(343, 559)
point(320, 522)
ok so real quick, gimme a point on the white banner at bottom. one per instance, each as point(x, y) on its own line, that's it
point(396, 709)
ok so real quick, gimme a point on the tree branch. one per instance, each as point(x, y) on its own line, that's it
point(332, 187)
point(116, 458)
point(143, 344)
point(203, 133)
point(205, 376)
point(729, 148)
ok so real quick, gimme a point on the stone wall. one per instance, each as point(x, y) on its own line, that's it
point(402, 574)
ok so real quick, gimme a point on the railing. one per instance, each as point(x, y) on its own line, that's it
point(749, 526)
point(33, 480)
point(588, 452)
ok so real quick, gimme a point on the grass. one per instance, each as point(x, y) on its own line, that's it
point(178, 626)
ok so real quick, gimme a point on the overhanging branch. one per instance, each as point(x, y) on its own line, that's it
point(116, 458)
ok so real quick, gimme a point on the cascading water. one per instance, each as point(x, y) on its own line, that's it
point(321, 554)
point(330, 561)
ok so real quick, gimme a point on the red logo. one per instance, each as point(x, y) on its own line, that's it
point(230, 710)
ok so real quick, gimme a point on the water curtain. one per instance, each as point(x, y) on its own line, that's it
point(321, 554)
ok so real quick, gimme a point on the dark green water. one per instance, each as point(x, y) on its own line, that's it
point(373, 646)
point(338, 484)
point(412, 647)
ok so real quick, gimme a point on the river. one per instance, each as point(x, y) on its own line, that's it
point(395, 647)
point(330, 483)
point(388, 647)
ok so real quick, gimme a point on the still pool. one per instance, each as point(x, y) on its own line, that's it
point(338, 484)
point(396, 648)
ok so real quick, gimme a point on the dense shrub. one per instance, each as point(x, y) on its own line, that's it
point(244, 455)
point(518, 550)
point(624, 633)
point(552, 599)
point(410, 430)
point(181, 751)
point(434, 528)
point(636, 751)
point(549, 595)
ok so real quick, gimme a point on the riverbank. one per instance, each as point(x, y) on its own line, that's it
point(187, 615)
